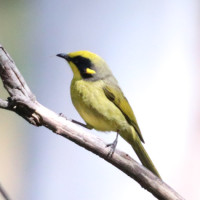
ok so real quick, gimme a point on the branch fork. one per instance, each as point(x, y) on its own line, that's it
point(24, 103)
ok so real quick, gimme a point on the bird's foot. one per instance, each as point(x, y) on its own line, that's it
point(112, 146)
point(62, 115)
point(76, 122)
point(81, 124)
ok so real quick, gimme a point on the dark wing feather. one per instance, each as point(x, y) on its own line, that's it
point(115, 95)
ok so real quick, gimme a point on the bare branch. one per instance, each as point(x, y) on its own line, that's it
point(11, 77)
point(4, 193)
point(23, 102)
point(3, 104)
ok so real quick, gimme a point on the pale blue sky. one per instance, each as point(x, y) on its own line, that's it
point(151, 48)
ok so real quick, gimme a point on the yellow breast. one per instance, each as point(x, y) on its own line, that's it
point(94, 107)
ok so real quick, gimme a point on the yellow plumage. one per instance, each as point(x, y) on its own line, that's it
point(98, 112)
point(99, 100)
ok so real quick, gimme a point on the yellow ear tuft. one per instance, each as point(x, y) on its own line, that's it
point(90, 71)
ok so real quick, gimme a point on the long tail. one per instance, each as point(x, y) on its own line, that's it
point(136, 144)
point(144, 157)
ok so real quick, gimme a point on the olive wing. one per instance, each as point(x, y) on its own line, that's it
point(115, 95)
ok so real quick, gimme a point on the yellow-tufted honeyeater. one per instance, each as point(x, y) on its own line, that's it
point(101, 103)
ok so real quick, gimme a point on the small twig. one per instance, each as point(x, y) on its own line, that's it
point(23, 102)
point(3, 193)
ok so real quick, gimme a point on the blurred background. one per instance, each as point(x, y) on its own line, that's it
point(151, 46)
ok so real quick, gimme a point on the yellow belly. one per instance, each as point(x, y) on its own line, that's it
point(94, 107)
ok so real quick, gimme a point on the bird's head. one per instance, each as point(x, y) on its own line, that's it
point(86, 65)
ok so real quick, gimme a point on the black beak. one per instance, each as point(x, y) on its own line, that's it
point(63, 55)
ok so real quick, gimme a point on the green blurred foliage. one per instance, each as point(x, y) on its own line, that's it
point(14, 33)
point(14, 36)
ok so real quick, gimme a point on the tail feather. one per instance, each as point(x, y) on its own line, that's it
point(143, 156)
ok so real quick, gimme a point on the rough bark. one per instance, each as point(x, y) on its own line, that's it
point(24, 103)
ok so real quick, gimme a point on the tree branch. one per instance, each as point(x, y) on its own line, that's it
point(3, 104)
point(3, 193)
point(23, 102)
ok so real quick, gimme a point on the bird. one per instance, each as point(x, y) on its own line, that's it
point(99, 100)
